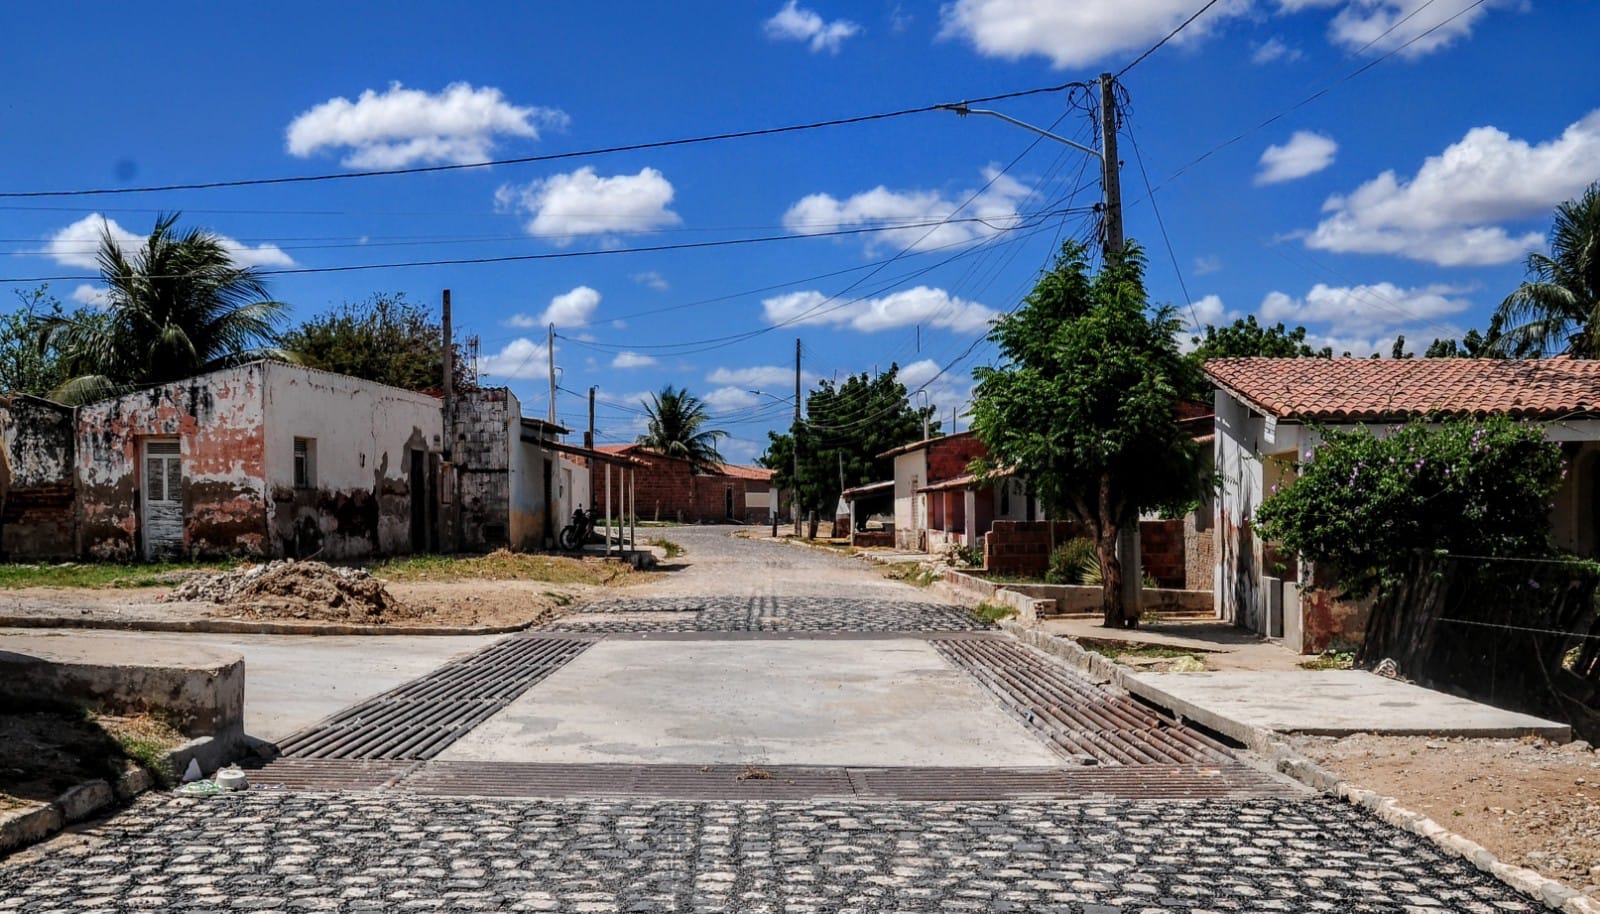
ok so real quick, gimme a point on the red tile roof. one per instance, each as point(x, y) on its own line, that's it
point(727, 469)
point(742, 472)
point(1379, 389)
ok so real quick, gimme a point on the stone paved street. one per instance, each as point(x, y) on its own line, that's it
point(768, 614)
point(313, 853)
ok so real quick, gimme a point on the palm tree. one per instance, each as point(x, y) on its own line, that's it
point(1560, 305)
point(178, 308)
point(677, 427)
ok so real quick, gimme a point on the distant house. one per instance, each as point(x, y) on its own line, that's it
point(937, 502)
point(1269, 411)
point(675, 489)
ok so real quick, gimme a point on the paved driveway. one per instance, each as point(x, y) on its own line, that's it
point(769, 729)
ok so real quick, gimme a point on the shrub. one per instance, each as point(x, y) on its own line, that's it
point(1073, 562)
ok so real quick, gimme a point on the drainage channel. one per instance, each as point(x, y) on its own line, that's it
point(1073, 715)
point(712, 783)
point(419, 719)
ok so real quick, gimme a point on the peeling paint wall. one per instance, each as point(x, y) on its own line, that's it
point(487, 424)
point(356, 501)
point(38, 491)
point(218, 421)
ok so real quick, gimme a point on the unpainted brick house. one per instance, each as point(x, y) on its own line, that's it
point(675, 489)
point(1268, 416)
point(938, 503)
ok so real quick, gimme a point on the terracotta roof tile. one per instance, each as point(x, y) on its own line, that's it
point(1379, 389)
point(743, 472)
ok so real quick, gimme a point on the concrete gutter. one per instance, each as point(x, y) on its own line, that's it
point(1271, 745)
point(253, 627)
point(76, 804)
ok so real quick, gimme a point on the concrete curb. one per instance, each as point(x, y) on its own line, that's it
point(1284, 759)
point(246, 627)
point(83, 801)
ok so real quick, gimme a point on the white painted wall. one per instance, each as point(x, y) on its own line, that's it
point(910, 506)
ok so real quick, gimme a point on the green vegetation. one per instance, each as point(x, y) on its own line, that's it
point(1558, 308)
point(911, 573)
point(1330, 660)
point(1085, 401)
point(104, 575)
point(1183, 661)
point(146, 739)
point(678, 427)
point(1074, 562)
point(992, 612)
point(384, 339)
point(673, 550)
point(505, 565)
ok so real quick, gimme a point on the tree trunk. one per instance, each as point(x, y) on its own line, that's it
point(1105, 547)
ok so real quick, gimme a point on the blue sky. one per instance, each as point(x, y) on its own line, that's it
point(1403, 199)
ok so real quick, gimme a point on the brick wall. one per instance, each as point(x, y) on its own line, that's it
point(1199, 552)
point(1161, 548)
point(481, 438)
point(40, 518)
point(1023, 548)
point(949, 456)
point(669, 489)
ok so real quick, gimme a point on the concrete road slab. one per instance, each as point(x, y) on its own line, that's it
point(293, 681)
point(1333, 703)
point(877, 703)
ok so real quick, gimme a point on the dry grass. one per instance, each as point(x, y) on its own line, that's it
point(504, 565)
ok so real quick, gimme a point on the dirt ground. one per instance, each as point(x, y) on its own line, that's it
point(44, 752)
point(1531, 802)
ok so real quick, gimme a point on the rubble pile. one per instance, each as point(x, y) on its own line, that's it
point(290, 589)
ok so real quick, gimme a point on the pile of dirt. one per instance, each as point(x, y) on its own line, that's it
point(289, 589)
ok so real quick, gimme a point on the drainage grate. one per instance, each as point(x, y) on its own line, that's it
point(795, 782)
point(1075, 716)
point(419, 719)
point(327, 774)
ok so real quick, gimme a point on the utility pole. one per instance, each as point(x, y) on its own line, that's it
point(550, 351)
point(446, 519)
point(794, 497)
point(1128, 551)
point(588, 437)
point(449, 375)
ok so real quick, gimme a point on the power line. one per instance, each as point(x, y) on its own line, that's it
point(1170, 35)
point(1194, 319)
point(526, 160)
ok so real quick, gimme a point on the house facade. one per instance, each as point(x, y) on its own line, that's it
point(1269, 414)
point(938, 503)
point(674, 489)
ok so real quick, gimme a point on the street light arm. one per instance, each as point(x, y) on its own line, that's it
point(963, 110)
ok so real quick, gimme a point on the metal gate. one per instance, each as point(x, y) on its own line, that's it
point(162, 499)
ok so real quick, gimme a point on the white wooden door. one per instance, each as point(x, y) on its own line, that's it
point(162, 500)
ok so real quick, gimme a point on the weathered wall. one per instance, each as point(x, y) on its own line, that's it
point(487, 423)
point(669, 489)
point(1161, 544)
point(359, 502)
point(38, 491)
point(1023, 548)
point(218, 420)
point(1199, 551)
point(910, 506)
point(529, 522)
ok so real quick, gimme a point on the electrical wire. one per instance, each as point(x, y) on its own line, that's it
point(1170, 35)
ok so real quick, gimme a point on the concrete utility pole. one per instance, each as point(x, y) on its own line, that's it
point(794, 497)
point(1128, 551)
point(550, 350)
point(447, 520)
point(588, 437)
point(449, 375)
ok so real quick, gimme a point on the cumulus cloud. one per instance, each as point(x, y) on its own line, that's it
point(777, 377)
point(1448, 212)
point(1207, 264)
point(921, 305)
point(565, 206)
point(632, 360)
point(520, 358)
point(1274, 49)
point(727, 399)
point(1078, 33)
point(944, 391)
point(569, 309)
point(796, 23)
point(1306, 153)
point(78, 244)
point(652, 280)
point(400, 126)
point(1432, 24)
point(917, 211)
point(1355, 312)
point(93, 296)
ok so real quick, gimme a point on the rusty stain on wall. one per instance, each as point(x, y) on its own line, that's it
point(38, 497)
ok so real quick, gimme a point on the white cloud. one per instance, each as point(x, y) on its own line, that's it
point(77, 245)
point(944, 391)
point(1365, 22)
point(1306, 153)
point(569, 309)
point(916, 211)
point(632, 360)
point(93, 296)
point(1274, 49)
point(1348, 311)
point(400, 126)
point(727, 399)
point(1207, 264)
point(1447, 213)
point(796, 23)
point(651, 279)
point(777, 377)
point(565, 206)
point(921, 305)
point(521, 358)
point(1077, 33)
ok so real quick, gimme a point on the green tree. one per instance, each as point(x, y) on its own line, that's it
point(1558, 309)
point(179, 307)
point(1244, 338)
point(1085, 403)
point(678, 427)
point(847, 425)
point(385, 338)
point(25, 365)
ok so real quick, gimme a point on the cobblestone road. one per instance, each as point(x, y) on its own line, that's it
point(766, 614)
point(311, 853)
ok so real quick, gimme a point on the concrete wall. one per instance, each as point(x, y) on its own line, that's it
point(910, 506)
point(218, 421)
point(488, 424)
point(362, 435)
point(1199, 550)
point(38, 489)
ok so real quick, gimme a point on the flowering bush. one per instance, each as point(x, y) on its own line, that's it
point(1367, 505)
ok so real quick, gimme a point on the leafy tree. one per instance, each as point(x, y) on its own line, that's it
point(385, 338)
point(178, 308)
point(25, 366)
point(1559, 308)
point(846, 427)
point(1085, 403)
point(677, 427)
point(1244, 338)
